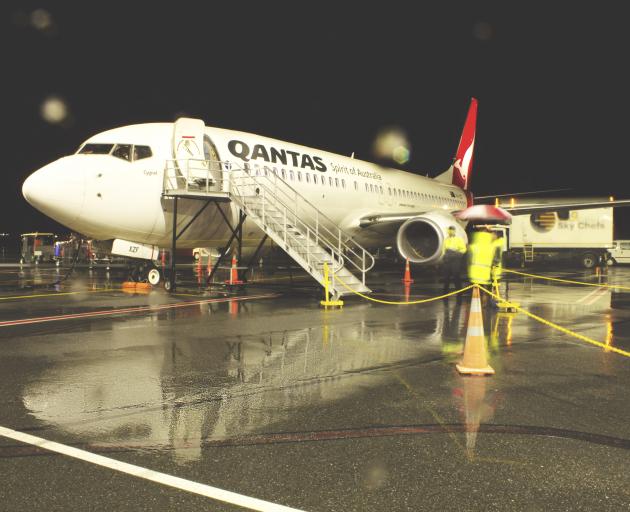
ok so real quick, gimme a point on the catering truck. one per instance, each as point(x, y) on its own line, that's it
point(575, 237)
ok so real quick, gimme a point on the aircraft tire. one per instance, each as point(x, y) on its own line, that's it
point(154, 276)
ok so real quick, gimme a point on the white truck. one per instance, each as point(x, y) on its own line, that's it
point(579, 237)
point(620, 253)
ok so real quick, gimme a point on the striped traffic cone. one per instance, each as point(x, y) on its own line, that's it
point(234, 273)
point(407, 279)
point(199, 271)
point(475, 361)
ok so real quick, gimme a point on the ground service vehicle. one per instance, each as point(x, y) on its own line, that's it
point(577, 237)
point(620, 252)
point(37, 247)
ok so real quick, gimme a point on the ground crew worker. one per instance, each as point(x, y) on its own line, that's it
point(481, 251)
point(453, 252)
point(497, 258)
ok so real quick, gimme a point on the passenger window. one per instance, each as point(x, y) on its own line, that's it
point(343, 183)
point(291, 175)
point(284, 174)
point(122, 151)
point(299, 173)
point(371, 188)
point(381, 188)
point(367, 188)
point(330, 181)
point(315, 179)
point(337, 182)
point(308, 177)
point(140, 152)
point(356, 186)
point(96, 149)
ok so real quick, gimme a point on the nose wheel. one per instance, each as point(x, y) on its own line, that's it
point(145, 272)
point(154, 276)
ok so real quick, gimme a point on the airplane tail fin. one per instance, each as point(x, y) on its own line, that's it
point(459, 172)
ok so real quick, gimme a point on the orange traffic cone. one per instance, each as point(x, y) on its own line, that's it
point(407, 290)
point(407, 279)
point(234, 273)
point(199, 271)
point(475, 360)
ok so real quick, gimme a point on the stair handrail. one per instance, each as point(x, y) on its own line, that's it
point(219, 176)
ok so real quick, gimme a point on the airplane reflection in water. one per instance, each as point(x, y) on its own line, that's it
point(142, 384)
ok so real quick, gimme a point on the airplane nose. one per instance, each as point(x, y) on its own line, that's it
point(57, 190)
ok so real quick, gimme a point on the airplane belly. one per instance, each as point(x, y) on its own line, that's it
point(209, 229)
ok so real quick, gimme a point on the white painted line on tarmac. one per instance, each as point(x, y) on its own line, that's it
point(597, 296)
point(589, 294)
point(148, 474)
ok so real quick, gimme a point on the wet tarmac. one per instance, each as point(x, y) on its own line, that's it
point(263, 393)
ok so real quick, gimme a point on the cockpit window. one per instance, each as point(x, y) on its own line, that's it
point(96, 149)
point(122, 151)
point(140, 152)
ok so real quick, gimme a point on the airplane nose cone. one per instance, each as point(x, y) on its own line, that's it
point(57, 190)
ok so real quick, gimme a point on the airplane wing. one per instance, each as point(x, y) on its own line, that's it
point(389, 221)
point(562, 206)
point(384, 219)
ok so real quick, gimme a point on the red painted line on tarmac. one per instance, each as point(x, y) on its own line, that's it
point(139, 309)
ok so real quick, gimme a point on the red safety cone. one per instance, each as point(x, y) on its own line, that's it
point(475, 361)
point(407, 290)
point(407, 279)
point(234, 273)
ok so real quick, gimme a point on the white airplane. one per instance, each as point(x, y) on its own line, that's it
point(133, 184)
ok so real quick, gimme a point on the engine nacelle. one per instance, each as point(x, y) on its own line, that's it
point(421, 238)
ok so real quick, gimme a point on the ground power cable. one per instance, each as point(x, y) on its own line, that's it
point(60, 279)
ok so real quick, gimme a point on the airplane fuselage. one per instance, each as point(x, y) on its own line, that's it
point(105, 196)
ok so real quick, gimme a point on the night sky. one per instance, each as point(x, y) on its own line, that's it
point(551, 79)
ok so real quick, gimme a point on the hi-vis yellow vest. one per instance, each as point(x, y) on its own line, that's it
point(481, 253)
point(497, 266)
point(454, 243)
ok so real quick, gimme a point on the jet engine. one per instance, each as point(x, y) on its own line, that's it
point(421, 238)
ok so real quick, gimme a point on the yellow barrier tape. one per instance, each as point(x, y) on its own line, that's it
point(397, 303)
point(605, 285)
point(558, 327)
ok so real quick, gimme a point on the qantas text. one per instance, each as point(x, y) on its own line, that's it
point(259, 152)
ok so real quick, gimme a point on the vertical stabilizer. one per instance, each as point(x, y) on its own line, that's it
point(459, 173)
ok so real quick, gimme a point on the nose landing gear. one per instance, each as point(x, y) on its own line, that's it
point(145, 272)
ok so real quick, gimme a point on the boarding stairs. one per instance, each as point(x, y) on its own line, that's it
point(528, 253)
point(305, 233)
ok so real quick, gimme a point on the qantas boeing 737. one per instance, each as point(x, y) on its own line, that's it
point(134, 184)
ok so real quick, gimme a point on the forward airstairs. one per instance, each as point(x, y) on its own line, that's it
point(306, 234)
